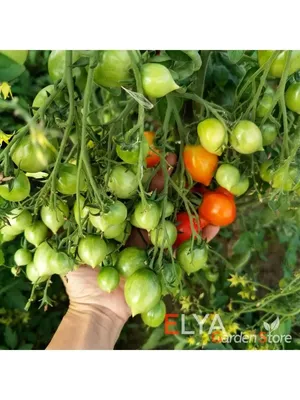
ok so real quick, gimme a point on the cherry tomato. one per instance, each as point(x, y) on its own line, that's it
point(114, 231)
point(41, 97)
point(211, 276)
point(153, 157)
point(277, 67)
point(6, 234)
point(155, 316)
point(191, 259)
point(241, 187)
point(146, 216)
point(157, 80)
point(292, 97)
point(264, 106)
point(165, 236)
point(224, 191)
point(212, 135)
point(170, 278)
point(61, 263)
point(246, 138)
point(36, 233)
point(43, 258)
point(122, 182)
point(31, 157)
point(285, 180)
point(84, 210)
point(266, 171)
point(131, 155)
point(122, 238)
point(217, 209)
point(18, 220)
point(92, 250)
point(33, 275)
point(19, 56)
point(269, 133)
point(67, 180)
point(227, 176)
point(108, 279)
point(142, 291)
point(22, 257)
point(200, 164)
point(130, 260)
point(113, 68)
point(184, 229)
point(115, 214)
point(19, 190)
point(55, 218)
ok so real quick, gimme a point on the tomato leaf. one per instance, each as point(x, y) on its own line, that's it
point(154, 338)
point(235, 55)
point(178, 55)
point(82, 62)
point(9, 69)
point(195, 57)
point(10, 337)
point(2, 259)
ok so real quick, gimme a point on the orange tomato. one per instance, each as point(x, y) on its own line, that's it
point(224, 191)
point(200, 163)
point(218, 209)
point(152, 158)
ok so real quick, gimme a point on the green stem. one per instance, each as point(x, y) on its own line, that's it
point(200, 80)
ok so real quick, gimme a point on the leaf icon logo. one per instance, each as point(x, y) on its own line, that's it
point(266, 326)
point(275, 324)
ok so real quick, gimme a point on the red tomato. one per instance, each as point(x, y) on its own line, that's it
point(218, 209)
point(200, 163)
point(152, 158)
point(184, 229)
point(224, 191)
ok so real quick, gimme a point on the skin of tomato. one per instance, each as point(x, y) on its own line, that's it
point(224, 191)
point(130, 260)
point(18, 219)
point(56, 63)
point(152, 158)
point(61, 263)
point(217, 209)
point(33, 274)
point(146, 216)
point(246, 137)
point(264, 106)
point(164, 237)
point(113, 69)
point(114, 231)
point(212, 135)
point(19, 190)
point(19, 56)
point(36, 233)
point(55, 218)
point(67, 180)
point(241, 187)
point(92, 250)
point(184, 229)
point(200, 164)
point(108, 279)
point(132, 156)
point(227, 176)
point(42, 259)
point(157, 80)
point(22, 257)
point(191, 260)
point(292, 97)
point(269, 133)
point(122, 182)
point(155, 316)
point(278, 64)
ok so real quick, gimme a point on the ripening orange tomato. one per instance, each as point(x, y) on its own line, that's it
point(200, 163)
point(218, 209)
point(152, 158)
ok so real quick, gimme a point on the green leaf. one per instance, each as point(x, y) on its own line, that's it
point(2, 259)
point(4, 348)
point(10, 337)
point(221, 75)
point(26, 346)
point(154, 338)
point(9, 69)
point(178, 55)
point(235, 55)
point(195, 57)
point(82, 62)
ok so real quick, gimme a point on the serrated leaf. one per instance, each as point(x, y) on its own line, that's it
point(266, 326)
point(10, 337)
point(9, 69)
point(235, 55)
point(139, 98)
point(275, 324)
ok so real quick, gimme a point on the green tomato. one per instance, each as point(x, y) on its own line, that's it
point(146, 216)
point(269, 133)
point(227, 176)
point(155, 316)
point(285, 180)
point(19, 190)
point(122, 182)
point(142, 291)
point(130, 260)
point(115, 214)
point(277, 67)
point(264, 106)
point(191, 260)
point(157, 80)
point(169, 209)
point(57, 61)
point(114, 231)
point(112, 254)
point(36, 233)
point(33, 275)
point(18, 220)
point(43, 257)
point(84, 210)
point(266, 171)
point(108, 279)
point(241, 187)
point(212, 135)
point(246, 138)
point(67, 180)
point(211, 276)
point(6, 234)
point(41, 97)
point(92, 250)
point(131, 154)
point(113, 68)
point(122, 238)
point(22, 257)
point(164, 237)
point(292, 97)
point(61, 263)
point(19, 56)
point(55, 218)
point(31, 157)
point(170, 277)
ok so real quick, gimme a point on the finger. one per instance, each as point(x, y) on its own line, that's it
point(209, 232)
point(157, 182)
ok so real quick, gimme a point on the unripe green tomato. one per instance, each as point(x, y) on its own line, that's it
point(146, 216)
point(19, 56)
point(169, 209)
point(43, 258)
point(246, 137)
point(55, 218)
point(92, 250)
point(84, 210)
point(212, 135)
point(278, 65)
point(115, 214)
point(41, 97)
point(170, 277)
point(36, 233)
point(227, 176)
point(292, 97)
point(264, 106)
point(165, 236)
point(122, 182)
point(155, 316)
point(108, 279)
point(266, 170)
point(241, 187)
point(130, 260)
point(114, 231)
point(19, 190)
point(157, 80)
point(57, 62)
point(61, 263)
point(191, 259)
point(142, 291)
point(113, 68)
point(112, 254)
point(18, 220)
point(6, 234)
point(33, 275)
point(67, 180)
point(285, 179)
point(211, 276)
point(122, 238)
point(22, 257)
point(131, 156)
point(269, 133)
